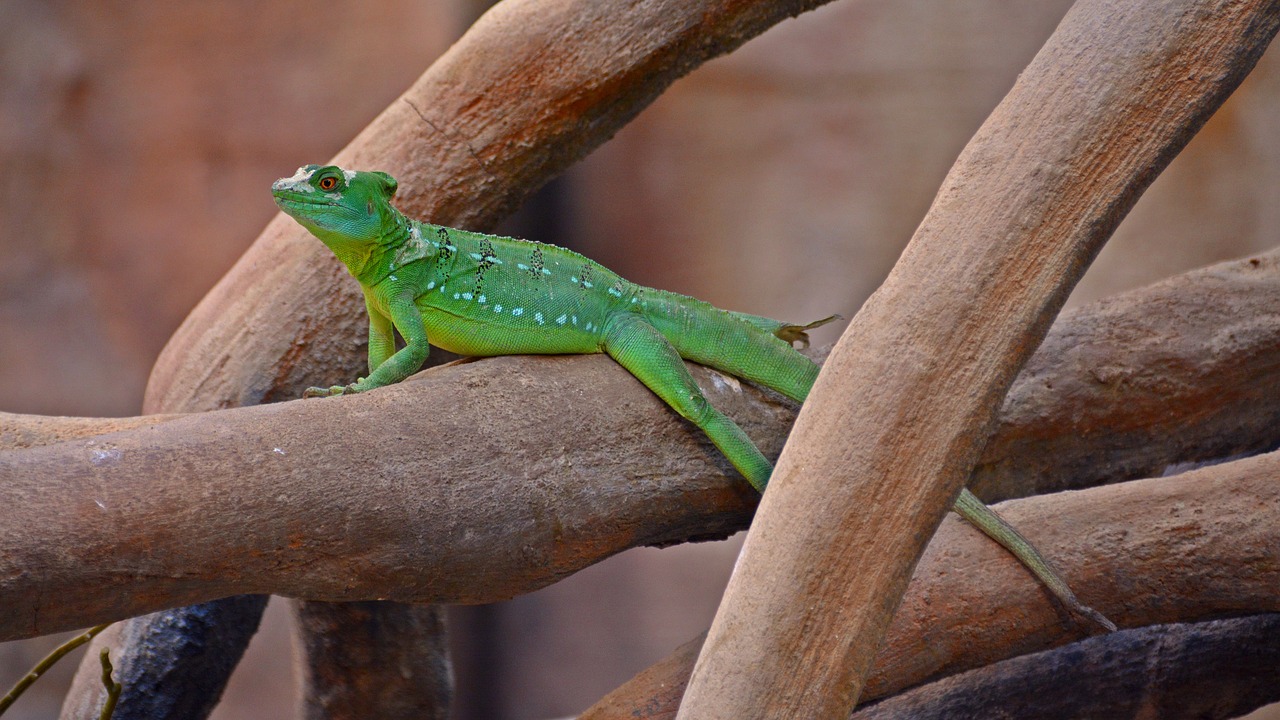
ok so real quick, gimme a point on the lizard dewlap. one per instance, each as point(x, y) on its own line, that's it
point(477, 294)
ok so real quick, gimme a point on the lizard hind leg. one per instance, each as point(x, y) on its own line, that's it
point(645, 353)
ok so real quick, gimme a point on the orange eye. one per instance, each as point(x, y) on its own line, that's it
point(328, 183)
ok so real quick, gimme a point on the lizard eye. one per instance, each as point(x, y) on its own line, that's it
point(328, 183)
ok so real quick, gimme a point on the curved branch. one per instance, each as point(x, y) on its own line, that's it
point(1217, 669)
point(902, 409)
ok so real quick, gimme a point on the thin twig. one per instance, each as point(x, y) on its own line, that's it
point(48, 662)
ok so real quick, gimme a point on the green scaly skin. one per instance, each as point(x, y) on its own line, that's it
point(484, 295)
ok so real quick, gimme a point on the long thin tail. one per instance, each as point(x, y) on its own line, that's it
point(969, 507)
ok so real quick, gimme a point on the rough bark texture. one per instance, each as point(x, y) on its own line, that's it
point(347, 676)
point(531, 88)
point(18, 432)
point(903, 407)
point(1204, 671)
point(1142, 552)
point(1185, 370)
point(152, 691)
point(1182, 548)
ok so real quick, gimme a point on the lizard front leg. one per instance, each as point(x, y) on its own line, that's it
point(387, 365)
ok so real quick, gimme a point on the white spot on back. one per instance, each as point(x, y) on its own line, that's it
point(497, 308)
point(538, 316)
point(481, 299)
point(517, 311)
point(562, 319)
point(465, 296)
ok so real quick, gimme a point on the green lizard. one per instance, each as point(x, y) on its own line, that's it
point(484, 295)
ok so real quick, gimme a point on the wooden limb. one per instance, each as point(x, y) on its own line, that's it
point(18, 432)
point(1143, 552)
point(1185, 370)
point(902, 409)
point(362, 639)
point(1203, 671)
point(160, 678)
point(375, 517)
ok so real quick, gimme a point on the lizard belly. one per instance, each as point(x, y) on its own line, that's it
point(526, 333)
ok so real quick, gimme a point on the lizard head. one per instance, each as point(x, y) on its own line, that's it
point(338, 205)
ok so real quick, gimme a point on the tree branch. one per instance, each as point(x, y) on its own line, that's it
point(903, 407)
point(1202, 671)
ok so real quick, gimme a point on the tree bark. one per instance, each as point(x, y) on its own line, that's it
point(904, 405)
point(1182, 371)
point(348, 676)
point(1203, 671)
point(1162, 550)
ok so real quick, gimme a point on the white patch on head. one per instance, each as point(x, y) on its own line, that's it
point(299, 182)
point(349, 175)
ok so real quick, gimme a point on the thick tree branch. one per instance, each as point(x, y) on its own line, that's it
point(904, 404)
point(1184, 370)
point(287, 518)
point(1201, 671)
point(352, 678)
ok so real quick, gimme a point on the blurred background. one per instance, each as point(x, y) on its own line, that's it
point(138, 141)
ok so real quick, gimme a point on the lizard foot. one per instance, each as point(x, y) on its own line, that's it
point(799, 333)
point(331, 391)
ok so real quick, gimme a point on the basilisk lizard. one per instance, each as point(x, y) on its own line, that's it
point(483, 295)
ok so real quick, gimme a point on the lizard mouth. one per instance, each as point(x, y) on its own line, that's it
point(290, 200)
